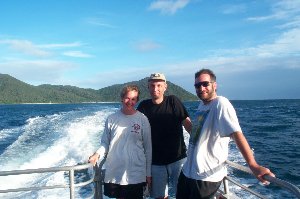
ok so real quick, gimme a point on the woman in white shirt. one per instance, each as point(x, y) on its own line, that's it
point(126, 141)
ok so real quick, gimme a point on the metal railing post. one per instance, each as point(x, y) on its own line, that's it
point(71, 179)
point(97, 181)
point(226, 186)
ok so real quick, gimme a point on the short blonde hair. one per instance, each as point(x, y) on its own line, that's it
point(128, 88)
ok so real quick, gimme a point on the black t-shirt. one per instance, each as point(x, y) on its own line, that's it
point(166, 129)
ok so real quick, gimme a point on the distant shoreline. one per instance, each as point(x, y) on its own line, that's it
point(120, 102)
point(60, 103)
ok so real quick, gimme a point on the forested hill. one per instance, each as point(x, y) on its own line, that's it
point(14, 91)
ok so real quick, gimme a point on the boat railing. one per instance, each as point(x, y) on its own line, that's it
point(71, 185)
point(281, 183)
point(98, 175)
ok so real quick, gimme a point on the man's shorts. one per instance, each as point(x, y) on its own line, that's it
point(131, 191)
point(164, 179)
point(188, 188)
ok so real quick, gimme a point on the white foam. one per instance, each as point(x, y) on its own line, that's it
point(75, 139)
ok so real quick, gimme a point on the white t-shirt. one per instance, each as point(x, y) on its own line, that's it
point(127, 141)
point(208, 144)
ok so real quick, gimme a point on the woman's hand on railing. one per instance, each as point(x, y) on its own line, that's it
point(149, 181)
point(94, 158)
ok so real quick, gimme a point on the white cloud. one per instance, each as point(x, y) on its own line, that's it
point(292, 23)
point(286, 45)
point(76, 54)
point(281, 10)
point(148, 45)
point(103, 78)
point(37, 71)
point(168, 6)
point(29, 48)
point(26, 47)
point(232, 9)
point(98, 22)
point(62, 45)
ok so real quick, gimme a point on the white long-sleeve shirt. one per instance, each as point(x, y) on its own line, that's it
point(127, 141)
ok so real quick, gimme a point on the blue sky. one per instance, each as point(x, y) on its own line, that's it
point(252, 46)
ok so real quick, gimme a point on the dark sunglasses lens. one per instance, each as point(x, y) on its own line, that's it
point(199, 84)
point(205, 84)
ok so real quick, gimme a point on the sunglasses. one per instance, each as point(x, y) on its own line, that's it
point(204, 84)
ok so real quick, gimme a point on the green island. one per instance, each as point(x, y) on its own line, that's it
point(14, 91)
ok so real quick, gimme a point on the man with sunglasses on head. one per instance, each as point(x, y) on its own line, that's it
point(166, 115)
point(215, 124)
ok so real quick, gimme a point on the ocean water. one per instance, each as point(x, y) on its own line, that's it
point(51, 135)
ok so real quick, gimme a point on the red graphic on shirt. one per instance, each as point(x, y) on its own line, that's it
point(136, 128)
